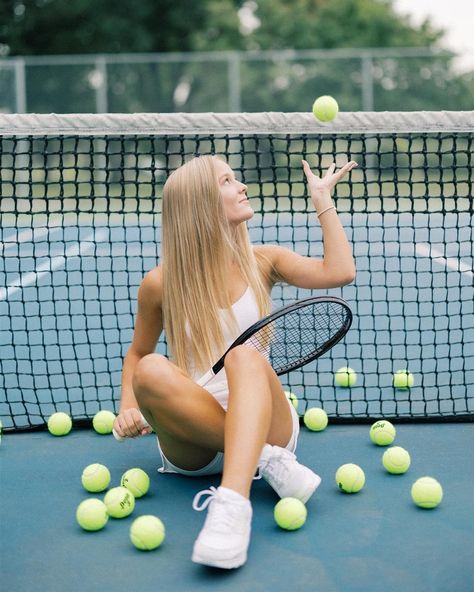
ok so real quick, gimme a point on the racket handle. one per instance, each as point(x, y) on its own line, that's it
point(121, 439)
point(205, 378)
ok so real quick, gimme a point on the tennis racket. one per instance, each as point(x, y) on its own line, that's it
point(293, 335)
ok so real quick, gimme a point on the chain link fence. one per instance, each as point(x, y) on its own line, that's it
point(402, 79)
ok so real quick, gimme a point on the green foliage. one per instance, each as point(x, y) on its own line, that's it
point(111, 26)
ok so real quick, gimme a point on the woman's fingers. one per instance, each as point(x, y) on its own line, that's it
point(131, 423)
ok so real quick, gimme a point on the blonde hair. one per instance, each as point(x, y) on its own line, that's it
point(199, 246)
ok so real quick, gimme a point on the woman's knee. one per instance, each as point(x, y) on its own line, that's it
point(152, 375)
point(245, 357)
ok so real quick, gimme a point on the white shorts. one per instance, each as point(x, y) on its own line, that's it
point(217, 463)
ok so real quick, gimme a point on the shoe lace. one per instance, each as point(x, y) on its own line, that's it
point(211, 493)
point(220, 513)
point(274, 470)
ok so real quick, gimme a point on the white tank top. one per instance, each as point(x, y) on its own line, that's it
point(246, 313)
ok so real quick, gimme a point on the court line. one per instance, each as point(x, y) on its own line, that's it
point(27, 235)
point(450, 262)
point(53, 264)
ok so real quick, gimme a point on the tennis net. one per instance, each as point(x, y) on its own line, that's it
point(80, 209)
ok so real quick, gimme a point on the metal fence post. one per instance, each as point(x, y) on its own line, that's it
point(102, 88)
point(234, 82)
point(367, 83)
point(20, 86)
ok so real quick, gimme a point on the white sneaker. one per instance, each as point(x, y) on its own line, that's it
point(225, 536)
point(279, 467)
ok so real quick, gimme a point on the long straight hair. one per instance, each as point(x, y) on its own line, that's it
point(199, 247)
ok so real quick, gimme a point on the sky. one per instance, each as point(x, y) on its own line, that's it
point(456, 16)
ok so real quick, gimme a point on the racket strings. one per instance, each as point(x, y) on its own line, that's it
point(301, 334)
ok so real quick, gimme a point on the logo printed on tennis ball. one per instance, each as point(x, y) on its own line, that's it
point(345, 377)
point(403, 379)
point(103, 422)
point(350, 478)
point(396, 460)
point(427, 493)
point(382, 433)
point(120, 502)
point(325, 108)
point(59, 424)
point(315, 419)
point(290, 513)
point(136, 481)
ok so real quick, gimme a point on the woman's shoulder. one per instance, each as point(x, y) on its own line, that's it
point(152, 284)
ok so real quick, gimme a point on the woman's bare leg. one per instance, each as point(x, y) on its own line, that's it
point(192, 426)
point(257, 413)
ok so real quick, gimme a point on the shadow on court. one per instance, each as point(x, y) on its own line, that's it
point(374, 540)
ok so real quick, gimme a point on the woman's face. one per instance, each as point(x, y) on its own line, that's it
point(234, 195)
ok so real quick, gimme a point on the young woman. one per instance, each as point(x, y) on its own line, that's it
point(211, 285)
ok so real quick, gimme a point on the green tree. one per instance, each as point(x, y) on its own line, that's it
point(106, 26)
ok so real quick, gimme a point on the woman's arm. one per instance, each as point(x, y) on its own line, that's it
point(337, 267)
point(148, 328)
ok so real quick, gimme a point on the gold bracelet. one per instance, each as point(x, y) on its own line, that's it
point(326, 210)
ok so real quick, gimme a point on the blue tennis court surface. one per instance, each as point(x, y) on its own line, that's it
point(366, 542)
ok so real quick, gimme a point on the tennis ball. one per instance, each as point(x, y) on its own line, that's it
point(382, 433)
point(325, 108)
point(345, 377)
point(396, 460)
point(59, 424)
point(402, 379)
point(147, 533)
point(136, 481)
point(120, 502)
point(103, 422)
point(315, 419)
point(91, 514)
point(95, 478)
point(290, 513)
point(292, 398)
point(350, 478)
point(426, 492)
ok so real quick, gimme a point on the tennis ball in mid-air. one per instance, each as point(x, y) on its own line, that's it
point(136, 481)
point(382, 432)
point(350, 478)
point(290, 513)
point(103, 422)
point(91, 514)
point(426, 492)
point(325, 108)
point(147, 533)
point(402, 379)
point(345, 377)
point(95, 477)
point(315, 419)
point(59, 424)
point(120, 502)
point(396, 460)
point(292, 398)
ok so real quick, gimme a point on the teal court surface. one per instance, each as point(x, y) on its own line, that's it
point(374, 540)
